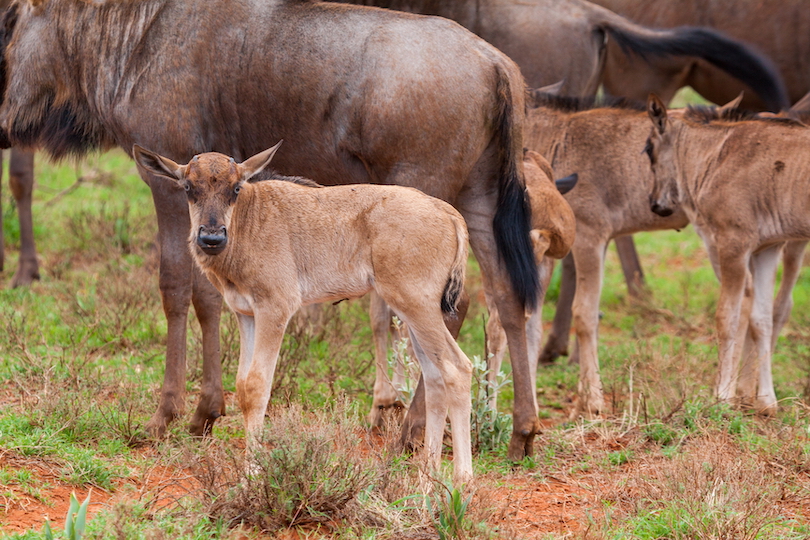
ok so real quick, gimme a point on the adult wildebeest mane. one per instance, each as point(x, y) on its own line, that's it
point(538, 98)
point(361, 95)
point(65, 121)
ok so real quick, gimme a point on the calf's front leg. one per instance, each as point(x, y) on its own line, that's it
point(260, 339)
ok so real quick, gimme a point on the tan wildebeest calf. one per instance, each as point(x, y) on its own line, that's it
point(743, 182)
point(270, 247)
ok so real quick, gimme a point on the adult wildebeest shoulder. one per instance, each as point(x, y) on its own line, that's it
point(360, 94)
point(271, 247)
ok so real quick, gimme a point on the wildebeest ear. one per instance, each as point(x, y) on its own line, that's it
point(254, 165)
point(733, 104)
point(803, 105)
point(553, 89)
point(658, 112)
point(564, 185)
point(157, 164)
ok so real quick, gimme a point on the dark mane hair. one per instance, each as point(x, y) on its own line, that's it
point(536, 98)
point(266, 175)
point(706, 114)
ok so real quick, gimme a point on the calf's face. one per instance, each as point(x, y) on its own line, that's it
point(212, 182)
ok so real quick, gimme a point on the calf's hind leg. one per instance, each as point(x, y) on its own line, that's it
point(447, 373)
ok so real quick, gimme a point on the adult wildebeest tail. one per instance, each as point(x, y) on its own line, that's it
point(455, 281)
point(512, 221)
point(734, 57)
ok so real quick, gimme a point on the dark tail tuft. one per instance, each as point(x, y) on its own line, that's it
point(512, 221)
point(732, 56)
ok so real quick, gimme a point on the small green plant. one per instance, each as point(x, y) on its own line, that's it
point(75, 522)
point(490, 429)
point(449, 512)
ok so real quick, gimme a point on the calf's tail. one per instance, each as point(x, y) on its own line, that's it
point(455, 281)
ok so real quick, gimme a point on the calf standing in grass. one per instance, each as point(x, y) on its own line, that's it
point(743, 182)
point(271, 247)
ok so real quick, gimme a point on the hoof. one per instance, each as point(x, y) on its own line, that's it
point(24, 278)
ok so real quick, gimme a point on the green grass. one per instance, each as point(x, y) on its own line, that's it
point(81, 363)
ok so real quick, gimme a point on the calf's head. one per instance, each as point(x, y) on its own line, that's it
point(660, 148)
point(212, 182)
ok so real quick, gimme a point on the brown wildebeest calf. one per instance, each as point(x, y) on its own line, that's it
point(611, 199)
point(360, 94)
point(778, 28)
point(270, 247)
point(743, 182)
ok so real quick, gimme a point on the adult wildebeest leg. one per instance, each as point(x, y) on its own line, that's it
point(590, 262)
point(176, 279)
point(496, 338)
point(761, 325)
point(208, 306)
point(478, 208)
point(447, 374)
point(21, 180)
point(254, 378)
point(631, 267)
point(557, 343)
point(385, 390)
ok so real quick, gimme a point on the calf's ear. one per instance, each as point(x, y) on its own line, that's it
point(564, 185)
point(157, 164)
point(733, 104)
point(658, 112)
point(256, 164)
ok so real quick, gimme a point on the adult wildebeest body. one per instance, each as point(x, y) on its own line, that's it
point(778, 28)
point(743, 182)
point(359, 94)
point(271, 247)
point(553, 40)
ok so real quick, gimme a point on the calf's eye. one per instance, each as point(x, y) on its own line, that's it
point(187, 187)
point(237, 189)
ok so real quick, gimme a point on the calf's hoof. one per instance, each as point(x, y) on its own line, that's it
point(380, 414)
point(550, 353)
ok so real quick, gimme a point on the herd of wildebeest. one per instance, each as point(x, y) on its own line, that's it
point(466, 112)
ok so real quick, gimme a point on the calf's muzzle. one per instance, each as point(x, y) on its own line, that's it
point(660, 209)
point(212, 240)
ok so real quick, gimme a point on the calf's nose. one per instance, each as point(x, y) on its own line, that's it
point(212, 241)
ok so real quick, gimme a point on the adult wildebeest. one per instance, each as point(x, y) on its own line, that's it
point(271, 247)
point(359, 94)
point(743, 183)
point(553, 40)
point(778, 28)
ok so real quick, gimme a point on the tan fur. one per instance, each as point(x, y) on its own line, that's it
point(287, 245)
point(744, 185)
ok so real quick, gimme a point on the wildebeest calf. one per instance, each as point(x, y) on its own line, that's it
point(270, 247)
